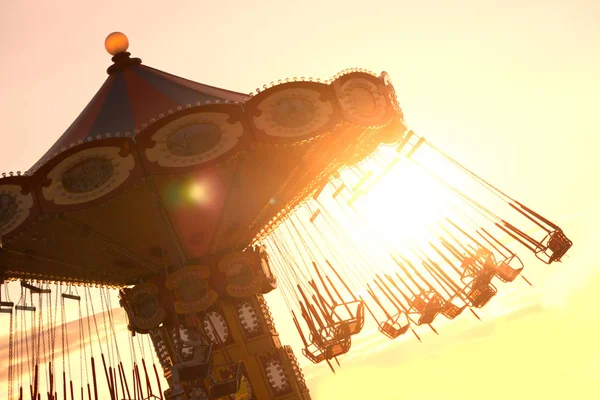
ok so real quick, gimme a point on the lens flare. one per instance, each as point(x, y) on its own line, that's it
point(197, 192)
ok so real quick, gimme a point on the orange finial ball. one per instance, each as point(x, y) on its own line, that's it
point(116, 43)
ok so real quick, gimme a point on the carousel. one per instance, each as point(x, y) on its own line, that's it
point(193, 202)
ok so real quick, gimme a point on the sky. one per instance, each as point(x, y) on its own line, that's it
point(508, 87)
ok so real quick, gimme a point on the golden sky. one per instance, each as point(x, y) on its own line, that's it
point(510, 88)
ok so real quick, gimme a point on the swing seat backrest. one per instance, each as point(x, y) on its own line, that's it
point(418, 303)
point(489, 264)
point(355, 320)
point(479, 296)
point(469, 264)
point(482, 252)
point(558, 245)
point(336, 349)
point(197, 366)
point(428, 317)
point(452, 311)
point(432, 309)
point(188, 373)
point(483, 279)
point(228, 386)
point(506, 273)
point(6, 307)
point(393, 330)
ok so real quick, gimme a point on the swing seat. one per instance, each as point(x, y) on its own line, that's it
point(483, 278)
point(489, 264)
point(482, 252)
point(428, 317)
point(315, 356)
point(558, 245)
point(423, 300)
point(192, 373)
point(469, 264)
point(334, 350)
point(506, 273)
point(336, 344)
point(327, 349)
point(329, 343)
point(354, 324)
point(6, 307)
point(393, 329)
point(229, 386)
point(418, 304)
point(197, 367)
point(452, 311)
point(479, 296)
point(432, 309)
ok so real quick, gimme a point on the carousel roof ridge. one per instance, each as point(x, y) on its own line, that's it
point(131, 96)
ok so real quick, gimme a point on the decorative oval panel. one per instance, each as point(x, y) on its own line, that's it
point(362, 99)
point(293, 111)
point(87, 175)
point(194, 139)
point(249, 319)
point(240, 270)
point(143, 307)
point(15, 207)
point(192, 291)
point(276, 375)
point(215, 327)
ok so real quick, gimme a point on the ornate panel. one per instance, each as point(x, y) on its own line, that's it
point(240, 270)
point(216, 328)
point(363, 99)
point(249, 319)
point(191, 289)
point(194, 138)
point(143, 307)
point(245, 273)
point(293, 112)
point(86, 173)
point(279, 382)
point(17, 205)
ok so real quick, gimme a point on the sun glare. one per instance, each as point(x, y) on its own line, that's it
point(403, 204)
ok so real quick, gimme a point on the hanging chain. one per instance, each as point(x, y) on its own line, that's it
point(82, 348)
point(10, 358)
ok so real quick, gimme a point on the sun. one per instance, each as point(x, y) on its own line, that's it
point(404, 205)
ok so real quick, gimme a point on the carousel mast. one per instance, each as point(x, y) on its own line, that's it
point(237, 335)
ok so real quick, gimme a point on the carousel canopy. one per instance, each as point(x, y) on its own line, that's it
point(131, 97)
point(159, 171)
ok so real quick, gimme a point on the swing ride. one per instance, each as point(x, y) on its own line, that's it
point(192, 202)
